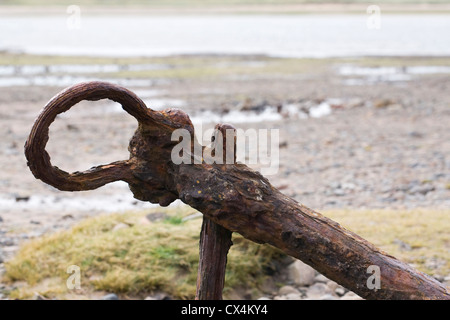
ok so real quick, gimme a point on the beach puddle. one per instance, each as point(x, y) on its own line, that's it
point(357, 75)
point(65, 81)
point(69, 74)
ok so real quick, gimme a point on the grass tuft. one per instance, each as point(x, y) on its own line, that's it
point(135, 261)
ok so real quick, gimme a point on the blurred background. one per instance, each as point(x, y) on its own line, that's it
point(358, 91)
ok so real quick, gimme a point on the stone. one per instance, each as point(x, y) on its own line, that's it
point(424, 189)
point(159, 296)
point(293, 296)
point(328, 297)
point(351, 296)
point(332, 285)
point(286, 290)
point(110, 296)
point(340, 291)
point(321, 278)
point(415, 134)
point(6, 241)
point(22, 198)
point(318, 290)
point(300, 273)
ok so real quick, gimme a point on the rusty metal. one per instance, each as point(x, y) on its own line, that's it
point(215, 240)
point(231, 196)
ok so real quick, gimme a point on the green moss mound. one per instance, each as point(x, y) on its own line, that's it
point(127, 254)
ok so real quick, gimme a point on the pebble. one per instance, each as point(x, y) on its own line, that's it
point(321, 278)
point(339, 192)
point(321, 289)
point(110, 296)
point(287, 290)
point(158, 296)
point(340, 291)
point(421, 189)
point(328, 297)
point(332, 285)
point(415, 134)
point(351, 296)
point(318, 290)
point(7, 242)
point(23, 198)
point(300, 273)
point(293, 296)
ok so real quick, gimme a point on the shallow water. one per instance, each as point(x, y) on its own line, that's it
point(68, 74)
point(276, 35)
point(371, 75)
point(68, 80)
